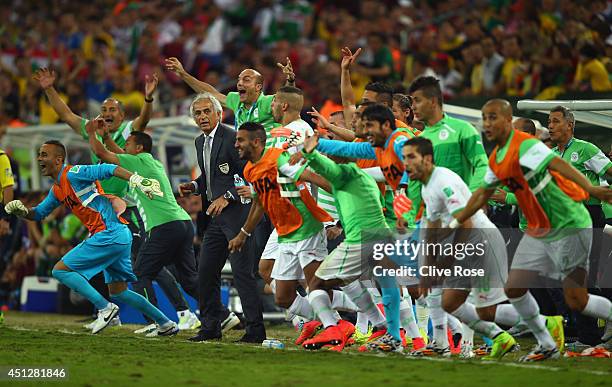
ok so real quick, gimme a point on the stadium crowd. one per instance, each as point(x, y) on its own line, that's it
point(102, 62)
point(105, 48)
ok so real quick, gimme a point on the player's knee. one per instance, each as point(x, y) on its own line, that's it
point(576, 302)
point(449, 305)
point(283, 300)
point(514, 292)
point(486, 314)
point(116, 288)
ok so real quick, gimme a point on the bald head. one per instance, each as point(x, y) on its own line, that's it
point(525, 125)
point(256, 75)
point(503, 106)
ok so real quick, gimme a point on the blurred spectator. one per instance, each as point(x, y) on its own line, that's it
point(591, 74)
point(126, 93)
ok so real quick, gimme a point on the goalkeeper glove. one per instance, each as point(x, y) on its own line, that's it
point(16, 207)
point(149, 187)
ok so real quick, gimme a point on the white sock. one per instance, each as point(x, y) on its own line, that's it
point(321, 304)
point(438, 319)
point(468, 334)
point(362, 322)
point(340, 301)
point(528, 309)
point(467, 314)
point(301, 307)
point(407, 320)
point(361, 297)
point(422, 313)
point(454, 324)
point(506, 314)
point(273, 286)
point(598, 307)
point(375, 294)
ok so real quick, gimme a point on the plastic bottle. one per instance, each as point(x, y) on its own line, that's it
point(273, 343)
point(238, 182)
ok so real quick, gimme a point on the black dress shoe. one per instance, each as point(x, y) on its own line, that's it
point(251, 339)
point(205, 336)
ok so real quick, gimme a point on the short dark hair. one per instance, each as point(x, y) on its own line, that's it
point(424, 145)
point(61, 148)
point(430, 86)
point(567, 113)
point(365, 104)
point(290, 90)
point(144, 140)
point(385, 91)
point(527, 126)
point(256, 130)
point(380, 113)
point(405, 103)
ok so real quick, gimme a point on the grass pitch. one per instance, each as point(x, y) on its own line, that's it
point(120, 358)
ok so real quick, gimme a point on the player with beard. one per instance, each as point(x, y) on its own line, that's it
point(559, 229)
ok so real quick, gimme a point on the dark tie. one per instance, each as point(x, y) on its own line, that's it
point(207, 166)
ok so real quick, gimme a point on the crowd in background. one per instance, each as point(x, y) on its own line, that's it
point(104, 49)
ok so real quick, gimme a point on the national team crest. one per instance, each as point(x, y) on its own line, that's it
point(443, 134)
point(574, 157)
point(224, 168)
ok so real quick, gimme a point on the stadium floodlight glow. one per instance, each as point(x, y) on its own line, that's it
point(575, 105)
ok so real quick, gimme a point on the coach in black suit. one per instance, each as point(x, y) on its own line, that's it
point(219, 161)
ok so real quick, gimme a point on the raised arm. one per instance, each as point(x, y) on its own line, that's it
point(96, 146)
point(346, 88)
point(45, 79)
point(288, 72)
point(140, 123)
point(198, 86)
point(343, 133)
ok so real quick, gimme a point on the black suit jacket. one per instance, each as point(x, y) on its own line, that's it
point(224, 163)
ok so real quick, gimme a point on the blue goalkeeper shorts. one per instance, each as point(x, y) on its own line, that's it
point(107, 251)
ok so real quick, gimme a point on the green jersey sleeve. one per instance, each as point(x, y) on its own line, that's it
point(265, 105)
point(292, 171)
point(128, 161)
point(83, 131)
point(334, 173)
point(232, 100)
point(534, 155)
point(596, 160)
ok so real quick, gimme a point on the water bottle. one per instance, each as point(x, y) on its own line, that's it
point(238, 182)
point(273, 343)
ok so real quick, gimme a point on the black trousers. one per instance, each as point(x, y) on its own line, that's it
point(166, 278)
point(213, 254)
point(169, 244)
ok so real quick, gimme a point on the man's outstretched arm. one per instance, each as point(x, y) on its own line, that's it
point(198, 86)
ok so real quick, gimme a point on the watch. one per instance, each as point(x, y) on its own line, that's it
point(228, 196)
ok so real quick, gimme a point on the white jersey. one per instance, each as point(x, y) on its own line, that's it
point(446, 194)
point(300, 126)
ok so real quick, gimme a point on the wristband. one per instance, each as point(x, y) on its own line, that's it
point(149, 100)
point(244, 232)
point(454, 224)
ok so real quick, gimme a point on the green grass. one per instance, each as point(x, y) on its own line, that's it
point(118, 357)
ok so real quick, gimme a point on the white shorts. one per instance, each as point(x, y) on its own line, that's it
point(345, 262)
point(271, 250)
point(554, 259)
point(294, 256)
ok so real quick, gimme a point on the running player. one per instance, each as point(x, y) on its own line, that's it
point(359, 203)
point(293, 212)
point(168, 226)
point(558, 237)
point(444, 194)
point(108, 247)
